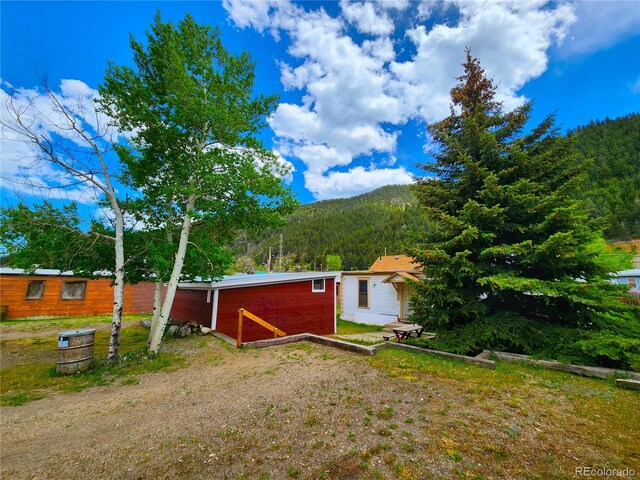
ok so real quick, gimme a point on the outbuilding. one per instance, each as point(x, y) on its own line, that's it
point(380, 295)
point(52, 293)
point(292, 302)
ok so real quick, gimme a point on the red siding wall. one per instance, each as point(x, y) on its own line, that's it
point(192, 306)
point(98, 299)
point(291, 307)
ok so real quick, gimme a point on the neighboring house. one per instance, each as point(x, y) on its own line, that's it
point(293, 302)
point(628, 277)
point(379, 295)
point(51, 293)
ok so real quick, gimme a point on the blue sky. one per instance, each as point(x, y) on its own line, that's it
point(357, 81)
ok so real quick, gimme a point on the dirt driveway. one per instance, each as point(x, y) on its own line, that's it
point(305, 411)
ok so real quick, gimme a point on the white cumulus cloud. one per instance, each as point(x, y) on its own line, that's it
point(22, 167)
point(600, 25)
point(356, 93)
point(353, 182)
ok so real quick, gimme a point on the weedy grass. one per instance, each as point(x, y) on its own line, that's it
point(31, 373)
point(603, 417)
point(345, 327)
point(62, 323)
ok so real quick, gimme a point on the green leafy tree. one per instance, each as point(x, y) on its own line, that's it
point(43, 236)
point(196, 155)
point(334, 263)
point(511, 264)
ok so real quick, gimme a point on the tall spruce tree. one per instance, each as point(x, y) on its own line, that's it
point(511, 264)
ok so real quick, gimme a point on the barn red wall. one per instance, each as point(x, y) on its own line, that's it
point(291, 307)
point(98, 299)
point(192, 306)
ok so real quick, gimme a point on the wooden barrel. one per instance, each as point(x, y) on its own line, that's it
point(75, 350)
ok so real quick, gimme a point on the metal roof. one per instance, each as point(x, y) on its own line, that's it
point(634, 272)
point(45, 271)
point(236, 281)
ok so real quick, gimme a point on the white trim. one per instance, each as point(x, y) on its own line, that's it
point(214, 310)
point(317, 290)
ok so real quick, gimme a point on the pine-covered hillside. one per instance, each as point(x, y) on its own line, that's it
point(613, 185)
point(358, 229)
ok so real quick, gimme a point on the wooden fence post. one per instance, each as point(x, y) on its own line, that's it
point(240, 315)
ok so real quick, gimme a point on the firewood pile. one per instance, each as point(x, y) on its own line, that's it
point(181, 330)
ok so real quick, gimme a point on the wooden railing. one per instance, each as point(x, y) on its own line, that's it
point(242, 313)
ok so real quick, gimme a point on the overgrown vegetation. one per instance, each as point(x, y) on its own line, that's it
point(515, 263)
point(28, 362)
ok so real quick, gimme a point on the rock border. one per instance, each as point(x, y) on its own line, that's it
point(582, 370)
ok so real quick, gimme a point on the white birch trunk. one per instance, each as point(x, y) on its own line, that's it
point(118, 287)
point(157, 305)
point(174, 279)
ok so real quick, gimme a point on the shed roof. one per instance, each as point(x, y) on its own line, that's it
point(633, 272)
point(394, 263)
point(237, 281)
point(46, 271)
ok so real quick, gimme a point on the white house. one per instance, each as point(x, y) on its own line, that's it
point(379, 295)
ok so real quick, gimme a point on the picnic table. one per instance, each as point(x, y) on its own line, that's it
point(404, 332)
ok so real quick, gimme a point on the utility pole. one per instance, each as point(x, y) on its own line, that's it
point(280, 259)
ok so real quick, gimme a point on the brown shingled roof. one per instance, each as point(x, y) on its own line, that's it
point(394, 263)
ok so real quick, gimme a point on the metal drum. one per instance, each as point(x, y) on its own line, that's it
point(75, 350)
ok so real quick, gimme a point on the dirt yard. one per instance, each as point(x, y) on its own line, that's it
point(308, 411)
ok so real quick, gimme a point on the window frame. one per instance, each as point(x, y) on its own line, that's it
point(31, 282)
point(633, 284)
point(313, 285)
point(64, 289)
point(368, 280)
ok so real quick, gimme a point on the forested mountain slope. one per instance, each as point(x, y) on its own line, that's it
point(613, 185)
point(358, 229)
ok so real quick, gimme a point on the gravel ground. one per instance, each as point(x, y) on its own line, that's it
point(293, 411)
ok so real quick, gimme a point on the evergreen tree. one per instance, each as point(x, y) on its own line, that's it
point(511, 264)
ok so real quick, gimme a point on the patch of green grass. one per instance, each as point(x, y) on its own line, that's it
point(130, 381)
point(37, 377)
point(15, 399)
point(385, 413)
point(293, 472)
point(453, 455)
point(64, 323)
point(344, 327)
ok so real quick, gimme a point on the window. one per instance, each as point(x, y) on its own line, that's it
point(73, 290)
point(363, 293)
point(35, 290)
point(632, 283)
point(318, 285)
